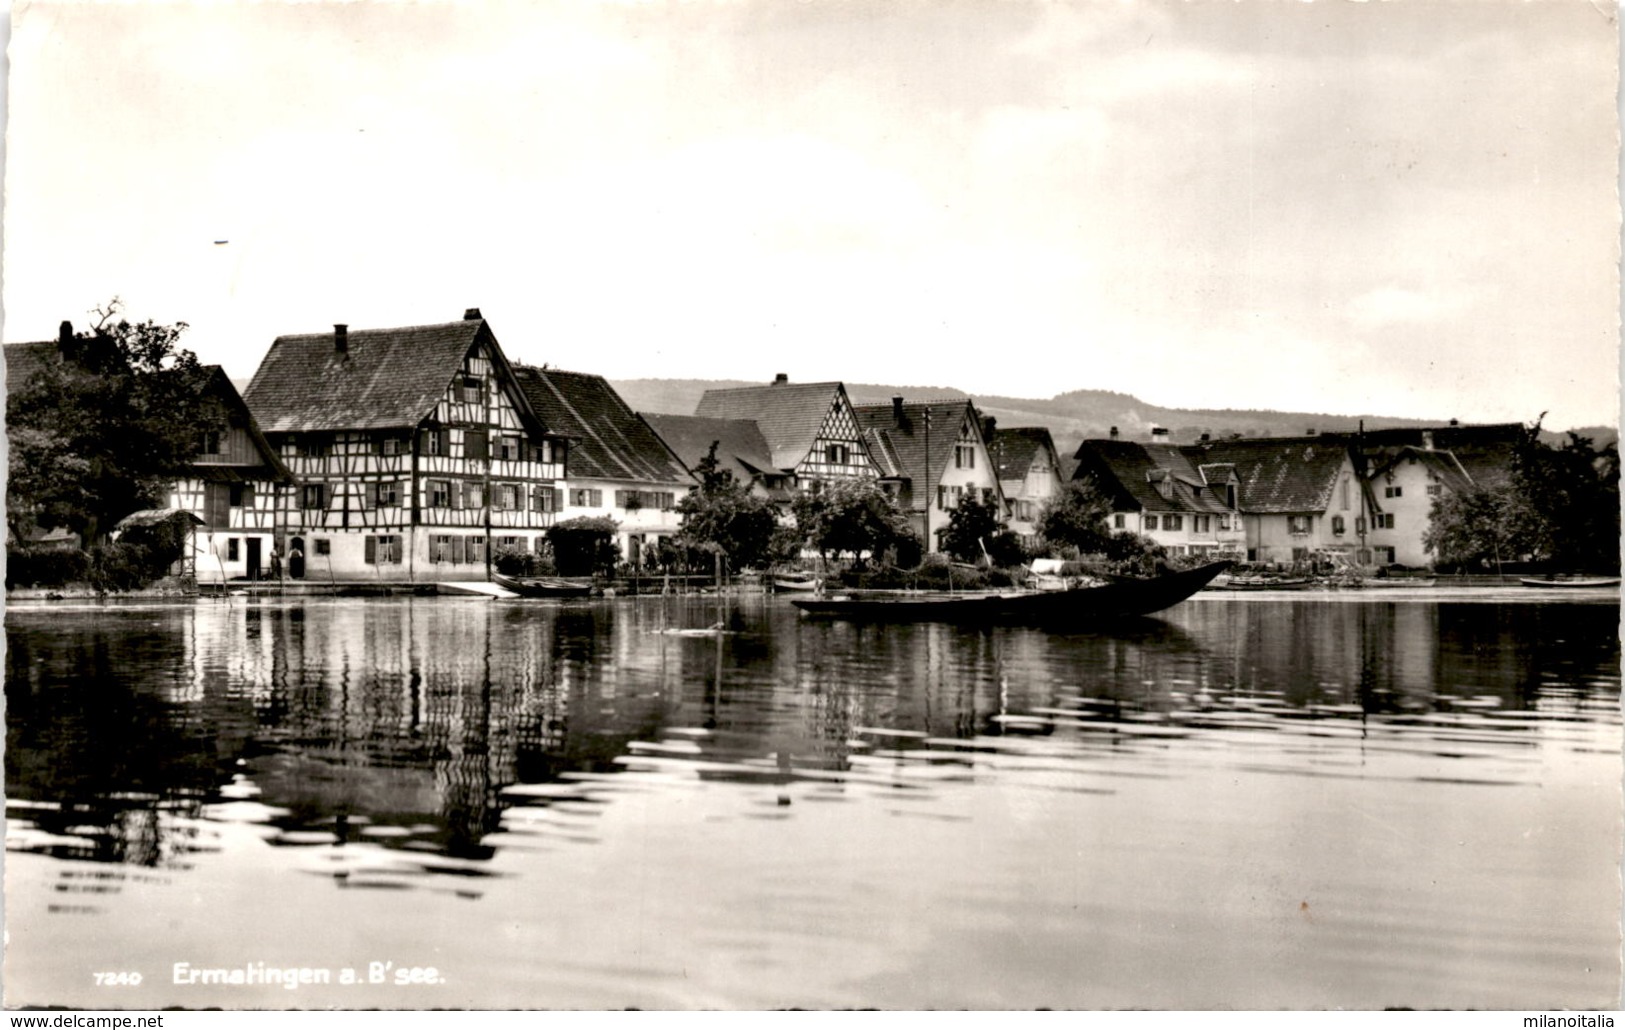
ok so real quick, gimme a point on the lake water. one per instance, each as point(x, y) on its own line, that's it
point(1302, 801)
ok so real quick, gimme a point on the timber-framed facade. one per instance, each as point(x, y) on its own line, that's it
point(416, 452)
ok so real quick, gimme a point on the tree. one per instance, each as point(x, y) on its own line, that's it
point(971, 527)
point(1481, 527)
point(584, 546)
point(723, 517)
point(106, 426)
point(854, 516)
point(1573, 492)
point(1076, 517)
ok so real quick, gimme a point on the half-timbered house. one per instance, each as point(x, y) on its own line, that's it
point(932, 456)
point(619, 467)
point(810, 428)
point(415, 448)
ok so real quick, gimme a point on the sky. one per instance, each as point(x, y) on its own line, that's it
point(1397, 208)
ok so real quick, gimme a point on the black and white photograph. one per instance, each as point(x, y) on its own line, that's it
point(746, 505)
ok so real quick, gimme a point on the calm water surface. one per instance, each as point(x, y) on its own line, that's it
point(1247, 802)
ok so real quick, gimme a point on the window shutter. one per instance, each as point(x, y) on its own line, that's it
point(372, 550)
point(395, 549)
point(369, 496)
point(558, 498)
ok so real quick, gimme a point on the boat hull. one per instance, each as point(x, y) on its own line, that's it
point(1572, 584)
point(542, 587)
point(1077, 608)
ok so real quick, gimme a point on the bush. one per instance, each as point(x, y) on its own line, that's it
point(51, 568)
point(124, 565)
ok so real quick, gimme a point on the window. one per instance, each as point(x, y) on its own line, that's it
point(387, 494)
point(324, 546)
point(956, 494)
point(1384, 521)
point(312, 446)
point(510, 448)
point(942, 497)
point(1298, 525)
point(476, 444)
point(209, 443)
point(546, 499)
point(987, 495)
point(1117, 521)
point(231, 549)
point(1344, 490)
point(1384, 555)
point(389, 446)
point(837, 453)
point(506, 497)
point(472, 392)
point(439, 493)
point(1337, 525)
point(313, 496)
point(1393, 491)
point(1174, 522)
point(242, 495)
point(1201, 523)
point(964, 455)
point(1150, 522)
point(446, 549)
point(512, 543)
point(1434, 489)
point(473, 494)
point(1224, 523)
point(436, 442)
point(383, 550)
point(584, 497)
point(476, 550)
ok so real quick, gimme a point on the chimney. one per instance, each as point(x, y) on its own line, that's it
point(780, 379)
point(1114, 432)
point(64, 339)
point(1309, 432)
point(1206, 437)
point(989, 423)
point(1427, 439)
point(1453, 422)
point(897, 409)
point(341, 338)
point(472, 315)
point(1159, 434)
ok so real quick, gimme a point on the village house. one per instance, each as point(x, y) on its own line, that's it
point(1029, 470)
point(619, 467)
point(415, 449)
point(231, 495)
point(741, 451)
point(932, 455)
point(1171, 494)
point(1403, 486)
point(1300, 497)
point(810, 429)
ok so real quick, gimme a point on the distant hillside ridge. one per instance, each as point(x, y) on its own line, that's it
point(1076, 415)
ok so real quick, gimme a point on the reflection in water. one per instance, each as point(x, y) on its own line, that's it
point(477, 752)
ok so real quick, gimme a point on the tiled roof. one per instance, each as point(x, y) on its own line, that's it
point(903, 444)
point(1130, 472)
point(25, 359)
point(789, 415)
point(387, 378)
point(610, 440)
point(1281, 474)
point(1014, 450)
point(740, 446)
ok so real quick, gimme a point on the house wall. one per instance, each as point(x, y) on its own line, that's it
point(978, 475)
point(215, 557)
point(655, 517)
point(1028, 495)
point(1407, 492)
point(840, 431)
point(1272, 538)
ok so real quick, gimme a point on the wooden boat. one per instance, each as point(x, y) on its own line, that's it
point(1572, 582)
point(1261, 583)
point(1078, 608)
point(795, 583)
point(542, 586)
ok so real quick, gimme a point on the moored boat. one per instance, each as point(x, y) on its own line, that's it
point(1078, 608)
point(1571, 582)
point(542, 586)
point(1228, 582)
point(796, 583)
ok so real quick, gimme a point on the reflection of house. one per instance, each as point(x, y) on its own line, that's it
point(741, 451)
point(810, 428)
point(932, 455)
point(619, 467)
point(1168, 493)
point(1029, 473)
point(416, 450)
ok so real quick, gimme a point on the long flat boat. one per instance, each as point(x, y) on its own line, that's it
point(1572, 582)
point(1077, 608)
point(542, 586)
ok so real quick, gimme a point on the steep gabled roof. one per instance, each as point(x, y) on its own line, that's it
point(611, 441)
point(899, 445)
point(1130, 473)
point(1281, 475)
point(740, 446)
point(238, 413)
point(1014, 450)
point(23, 360)
point(385, 379)
point(1442, 464)
point(788, 415)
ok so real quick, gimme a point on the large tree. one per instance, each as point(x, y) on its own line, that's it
point(723, 517)
point(105, 426)
point(851, 517)
point(971, 529)
point(1077, 517)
